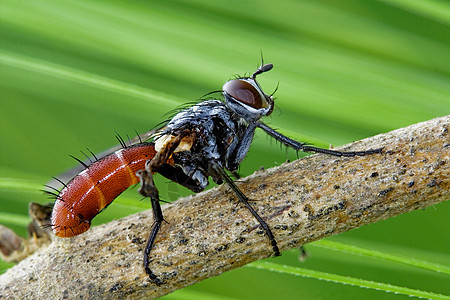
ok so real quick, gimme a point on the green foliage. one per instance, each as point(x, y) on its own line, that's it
point(74, 72)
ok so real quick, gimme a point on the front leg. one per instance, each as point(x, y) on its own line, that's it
point(148, 189)
point(306, 148)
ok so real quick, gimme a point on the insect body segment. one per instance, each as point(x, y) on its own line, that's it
point(96, 187)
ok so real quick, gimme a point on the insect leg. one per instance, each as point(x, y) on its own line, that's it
point(148, 189)
point(304, 147)
point(242, 198)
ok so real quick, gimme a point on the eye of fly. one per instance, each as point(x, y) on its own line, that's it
point(244, 92)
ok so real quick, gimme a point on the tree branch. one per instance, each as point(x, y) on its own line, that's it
point(210, 233)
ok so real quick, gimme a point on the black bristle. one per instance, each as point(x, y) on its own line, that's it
point(92, 153)
point(60, 181)
point(139, 137)
point(87, 157)
point(121, 141)
point(53, 196)
point(80, 161)
point(52, 188)
point(47, 226)
point(276, 89)
point(50, 193)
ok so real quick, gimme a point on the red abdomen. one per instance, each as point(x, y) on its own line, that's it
point(96, 187)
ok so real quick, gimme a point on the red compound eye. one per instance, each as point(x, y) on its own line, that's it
point(244, 92)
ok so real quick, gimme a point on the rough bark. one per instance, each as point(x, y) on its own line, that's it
point(211, 233)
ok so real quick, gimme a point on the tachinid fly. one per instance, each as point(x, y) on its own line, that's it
point(205, 140)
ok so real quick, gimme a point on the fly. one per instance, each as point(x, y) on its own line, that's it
point(208, 139)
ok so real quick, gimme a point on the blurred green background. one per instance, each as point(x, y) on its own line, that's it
point(75, 72)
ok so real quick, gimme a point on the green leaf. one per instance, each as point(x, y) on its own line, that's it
point(346, 280)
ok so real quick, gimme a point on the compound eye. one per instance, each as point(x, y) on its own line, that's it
point(244, 92)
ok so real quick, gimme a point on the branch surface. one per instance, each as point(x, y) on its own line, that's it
point(209, 233)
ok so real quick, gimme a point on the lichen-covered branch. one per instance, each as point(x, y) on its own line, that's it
point(211, 233)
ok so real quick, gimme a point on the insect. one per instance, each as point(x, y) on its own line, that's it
point(208, 139)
